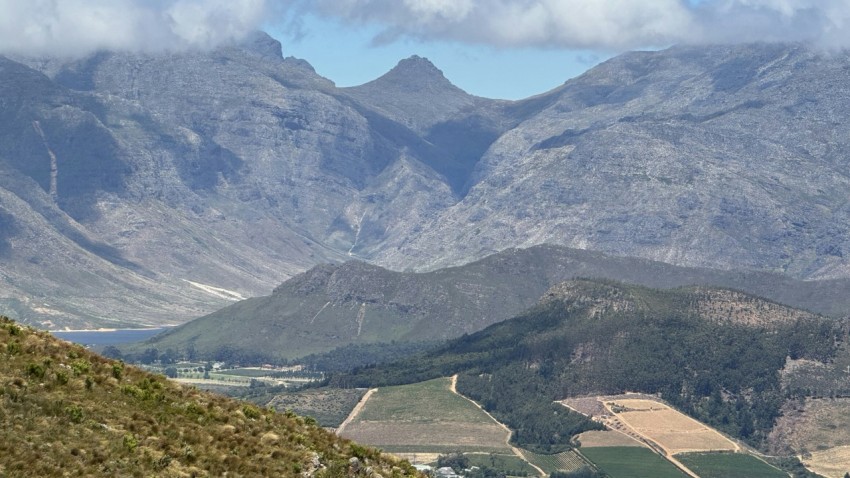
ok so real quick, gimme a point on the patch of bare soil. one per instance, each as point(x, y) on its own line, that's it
point(674, 431)
point(831, 463)
point(813, 425)
point(604, 438)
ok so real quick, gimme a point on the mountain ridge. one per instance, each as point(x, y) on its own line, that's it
point(356, 303)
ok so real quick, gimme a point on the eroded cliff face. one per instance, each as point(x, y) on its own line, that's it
point(130, 183)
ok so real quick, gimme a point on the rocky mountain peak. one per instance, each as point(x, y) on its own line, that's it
point(416, 73)
point(419, 64)
point(415, 93)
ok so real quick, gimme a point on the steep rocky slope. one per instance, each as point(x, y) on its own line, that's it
point(232, 169)
point(181, 181)
point(727, 157)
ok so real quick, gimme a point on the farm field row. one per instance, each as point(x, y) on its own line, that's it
point(672, 430)
point(421, 421)
point(426, 417)
point(597, 438)
point(511, 464)
point(635, 462)
point(729, 465)
point(566, 461)
point(631, 462)
point(689, 446)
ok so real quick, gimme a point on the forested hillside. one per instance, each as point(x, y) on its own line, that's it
point(363, 307)
point(714, 354)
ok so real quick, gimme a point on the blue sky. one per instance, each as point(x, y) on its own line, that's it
point(346, 55)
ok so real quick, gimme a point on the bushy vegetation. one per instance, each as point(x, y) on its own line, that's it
point(67, 412)
point(355, 356)
point(608, 338)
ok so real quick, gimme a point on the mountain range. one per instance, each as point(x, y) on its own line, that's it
point(142, 189)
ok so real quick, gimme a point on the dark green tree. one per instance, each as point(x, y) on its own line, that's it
point(457, 461)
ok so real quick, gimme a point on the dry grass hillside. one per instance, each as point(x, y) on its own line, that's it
point(67, 412)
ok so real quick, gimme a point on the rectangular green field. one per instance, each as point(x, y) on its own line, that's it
point(729, 465)
point(423, 402)
point(425, 417)
point(631, 462)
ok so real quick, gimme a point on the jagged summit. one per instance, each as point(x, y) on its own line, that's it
point(411, 75)
point(414, 93)
point(416, 72)
point(263, 44)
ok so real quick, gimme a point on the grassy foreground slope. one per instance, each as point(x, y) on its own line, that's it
point(67, 412)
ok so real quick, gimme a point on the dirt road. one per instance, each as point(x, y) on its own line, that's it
point(356, 410)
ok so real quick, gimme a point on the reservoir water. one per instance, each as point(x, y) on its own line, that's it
point(107, 337)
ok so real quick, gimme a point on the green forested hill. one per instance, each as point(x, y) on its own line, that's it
point(715, 354)
point(67, 412)
point(360, 304)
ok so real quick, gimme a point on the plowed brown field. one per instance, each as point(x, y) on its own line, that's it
point(674, 431)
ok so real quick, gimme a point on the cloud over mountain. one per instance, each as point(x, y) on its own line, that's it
point(78, 27)
point(590, 24)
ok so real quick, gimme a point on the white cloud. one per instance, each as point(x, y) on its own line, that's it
point(79, 27)
point(596, 24)
point(206, 23)
point(824, 22)
point(437, 9)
